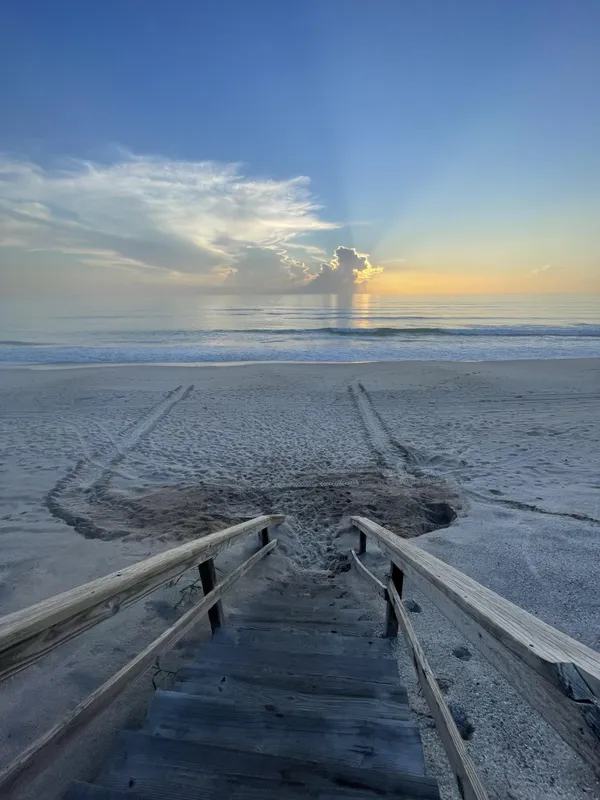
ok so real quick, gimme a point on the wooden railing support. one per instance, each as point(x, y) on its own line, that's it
point(264, 537)
point(391, 620)
point(362, 543)
point(208, 576)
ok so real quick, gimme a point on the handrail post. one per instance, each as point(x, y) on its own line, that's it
point(391, 620)
point(208, 576)
point(263, 537)
point(362, 543)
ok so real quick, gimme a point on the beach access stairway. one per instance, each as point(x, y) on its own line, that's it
point(295, 697)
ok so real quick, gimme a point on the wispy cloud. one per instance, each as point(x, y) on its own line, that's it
point(202, 219)
point(540, 270)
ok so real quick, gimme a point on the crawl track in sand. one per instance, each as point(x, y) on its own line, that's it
point(391, 488)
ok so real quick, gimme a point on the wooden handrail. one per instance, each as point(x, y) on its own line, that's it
point(29, 634)
point(380, 587)
point(469, 782)
point(557, 675)
point(36, 757)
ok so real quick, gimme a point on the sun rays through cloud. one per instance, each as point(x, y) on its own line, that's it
point(202, 223)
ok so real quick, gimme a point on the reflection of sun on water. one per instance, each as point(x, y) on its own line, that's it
point(361, 310)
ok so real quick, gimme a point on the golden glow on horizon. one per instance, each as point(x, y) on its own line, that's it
point(555, 280)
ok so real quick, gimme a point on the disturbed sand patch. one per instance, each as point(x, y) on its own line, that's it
point(317, 507)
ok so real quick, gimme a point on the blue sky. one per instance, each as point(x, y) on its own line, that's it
point(449, 141)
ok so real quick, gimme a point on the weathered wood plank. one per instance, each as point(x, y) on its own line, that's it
point(286, 700)
point(222, 656)
point(28, 635)
point(361, 628)
point(301, 641)
point(374, 744)
point(368, 574)
point(37, 755)
point(469, 783)
point(77, 790)
point(537, 659)
point(320, 616)
point(204, 680)
point(189, 771)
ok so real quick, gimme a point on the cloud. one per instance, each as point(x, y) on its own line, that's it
point(540, 270)
point(347, 271)
point(270, 268)
point(150, 215)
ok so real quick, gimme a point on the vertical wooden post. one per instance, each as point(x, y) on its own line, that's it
point(208, 577)
point(264, 538)
point(391, 621)
point(362, 543)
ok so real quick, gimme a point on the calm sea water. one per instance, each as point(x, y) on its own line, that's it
point(310, 328)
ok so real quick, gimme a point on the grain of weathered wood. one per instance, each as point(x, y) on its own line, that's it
point(78, 790)
point(532, 655)
point(188, 771)
point(469, 783)
point(361, 629)
point(223, 655)
point(324, 606)
point(354, 742)
point(28, 635)
point(204, 679)
point(368, 574)
point(319, 616)
point(299, 640)
point(38, 754)
point(291, 700)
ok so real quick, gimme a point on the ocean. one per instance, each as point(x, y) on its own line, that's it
point(310, 328)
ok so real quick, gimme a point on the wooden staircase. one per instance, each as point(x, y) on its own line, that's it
point(295, 699)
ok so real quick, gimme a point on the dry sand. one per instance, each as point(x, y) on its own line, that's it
point(101, 467)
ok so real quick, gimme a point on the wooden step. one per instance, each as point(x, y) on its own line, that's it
point(303, 641)
point(324, 601)
point(371, 744)
point(211, 681)
point(280, 620)
point(363, 630)
point(299, 700)
point(287, 702)
point(299, 589)
point(323, 614)
point(77, 790)
point(163, 769)
point(223, 656)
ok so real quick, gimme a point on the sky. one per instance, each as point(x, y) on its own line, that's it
point(299, 146)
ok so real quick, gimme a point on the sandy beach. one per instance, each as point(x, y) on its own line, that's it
point(495, 466)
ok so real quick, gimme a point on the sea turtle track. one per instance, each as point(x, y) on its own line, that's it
point(91, 476)
point(389, 487)
point(389, 453)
